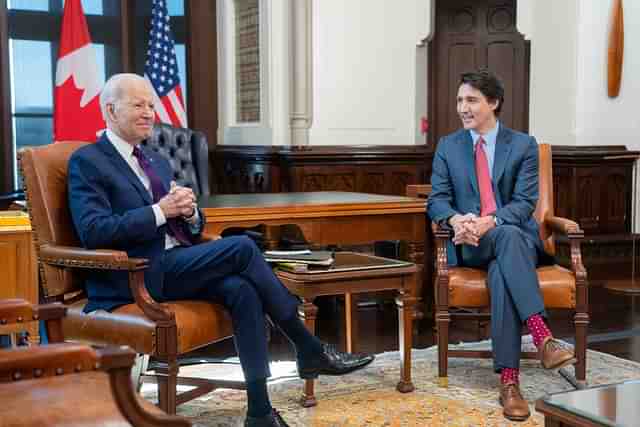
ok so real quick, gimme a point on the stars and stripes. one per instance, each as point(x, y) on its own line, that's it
point(161, 68)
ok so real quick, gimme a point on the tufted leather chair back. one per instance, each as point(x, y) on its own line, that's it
point(188, 154)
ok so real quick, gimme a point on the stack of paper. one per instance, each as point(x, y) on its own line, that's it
point(300, 257)
point(14, 221)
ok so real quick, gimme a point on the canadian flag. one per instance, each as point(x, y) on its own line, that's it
point(76, 115)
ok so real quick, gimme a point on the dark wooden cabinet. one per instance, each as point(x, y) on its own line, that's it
point(370, 169)
point(592, 185)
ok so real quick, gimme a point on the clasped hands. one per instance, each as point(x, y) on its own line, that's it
point(179, 201)
point(468, 229)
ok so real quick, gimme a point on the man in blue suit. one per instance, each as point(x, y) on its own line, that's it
point(122, 197)
point(485, 187)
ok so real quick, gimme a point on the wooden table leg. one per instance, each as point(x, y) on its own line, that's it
point(351, 321)
point(406, 313)
point(308, 313)
point(272, 235)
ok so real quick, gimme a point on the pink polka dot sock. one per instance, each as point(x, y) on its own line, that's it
point(510, 376)
point(538, 328)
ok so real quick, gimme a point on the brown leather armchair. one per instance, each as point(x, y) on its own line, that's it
point(65, 384)
point(164, 331)
point(466, 288)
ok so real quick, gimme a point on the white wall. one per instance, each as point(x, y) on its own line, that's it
point(364, 75)
point(551, 26)
point(369, 74)
point(602, 120)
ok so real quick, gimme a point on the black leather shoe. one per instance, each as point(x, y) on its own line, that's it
point(270, 420)
point(332, 362)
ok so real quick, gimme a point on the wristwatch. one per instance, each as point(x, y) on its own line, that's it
point(498, 221)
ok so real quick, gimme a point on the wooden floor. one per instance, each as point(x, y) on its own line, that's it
point(614, 327)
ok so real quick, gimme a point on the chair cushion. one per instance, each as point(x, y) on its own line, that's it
point(198, 323)
point(82, 399)
point(468, 287)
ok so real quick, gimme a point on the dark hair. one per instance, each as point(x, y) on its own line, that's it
point(488, 84)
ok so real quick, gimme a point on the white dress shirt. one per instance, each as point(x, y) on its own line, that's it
point(126, 151)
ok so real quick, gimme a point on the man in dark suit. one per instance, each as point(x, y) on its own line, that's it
point(485, 187)
point(122, 197)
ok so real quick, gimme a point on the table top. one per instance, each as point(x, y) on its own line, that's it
point(294, 199)
point(344, 262)
point(611, 405)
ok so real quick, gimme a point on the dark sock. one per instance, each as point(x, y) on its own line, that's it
point(257, 398)
point(306, 344)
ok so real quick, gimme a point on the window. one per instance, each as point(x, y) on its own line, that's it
point(34, 31)
point(247, 59)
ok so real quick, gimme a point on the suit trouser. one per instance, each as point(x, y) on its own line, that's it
point(232, 272)
point(510, 258)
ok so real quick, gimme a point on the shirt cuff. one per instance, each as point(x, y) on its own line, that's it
point(160, 218)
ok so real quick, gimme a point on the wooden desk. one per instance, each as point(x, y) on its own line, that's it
point(325, 217)
point(19, 275)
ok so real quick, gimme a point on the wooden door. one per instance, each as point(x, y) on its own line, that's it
point(473, 34)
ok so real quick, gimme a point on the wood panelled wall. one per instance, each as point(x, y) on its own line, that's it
point(257, 169)
point(592, 185)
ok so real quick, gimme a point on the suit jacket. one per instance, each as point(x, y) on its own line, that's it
point(515, 181)
point(111, 209)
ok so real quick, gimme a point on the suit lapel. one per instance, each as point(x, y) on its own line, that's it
point(503, 148)
point(469, 160)
point(121, 166)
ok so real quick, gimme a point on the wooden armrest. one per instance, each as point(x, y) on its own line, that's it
point(565, 226)
point(419, 191)
point(19, 310)
point(25, 363)
point(51, 360)
point(572, 230)
point(104, 259)
point(441, 233)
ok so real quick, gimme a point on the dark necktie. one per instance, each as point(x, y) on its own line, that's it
point(487, 198)
point(174, 227)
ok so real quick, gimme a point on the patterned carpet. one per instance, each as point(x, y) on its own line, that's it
point(368, 397)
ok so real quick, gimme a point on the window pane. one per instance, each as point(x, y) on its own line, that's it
point(175, 7)
point(181, 57)
point(100, 59)
point(247, 47)
point(31, 76)
point(29, 4)
point(90, 7)
point(33, 131)
point(30, 132)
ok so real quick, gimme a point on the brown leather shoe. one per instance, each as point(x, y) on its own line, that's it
point(554, 355)
point(514, 407)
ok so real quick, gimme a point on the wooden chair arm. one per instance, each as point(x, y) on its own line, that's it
point(572, 230)
point(105, 259)
point(565, 226)
point(19, 310)
point(26, 363)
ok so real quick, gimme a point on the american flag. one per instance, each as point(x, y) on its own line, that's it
point(161, 68)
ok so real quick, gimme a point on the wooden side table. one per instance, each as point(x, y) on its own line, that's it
point(19, 277)
point(354, 273)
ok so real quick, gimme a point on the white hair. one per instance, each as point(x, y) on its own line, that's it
point(113, 90)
